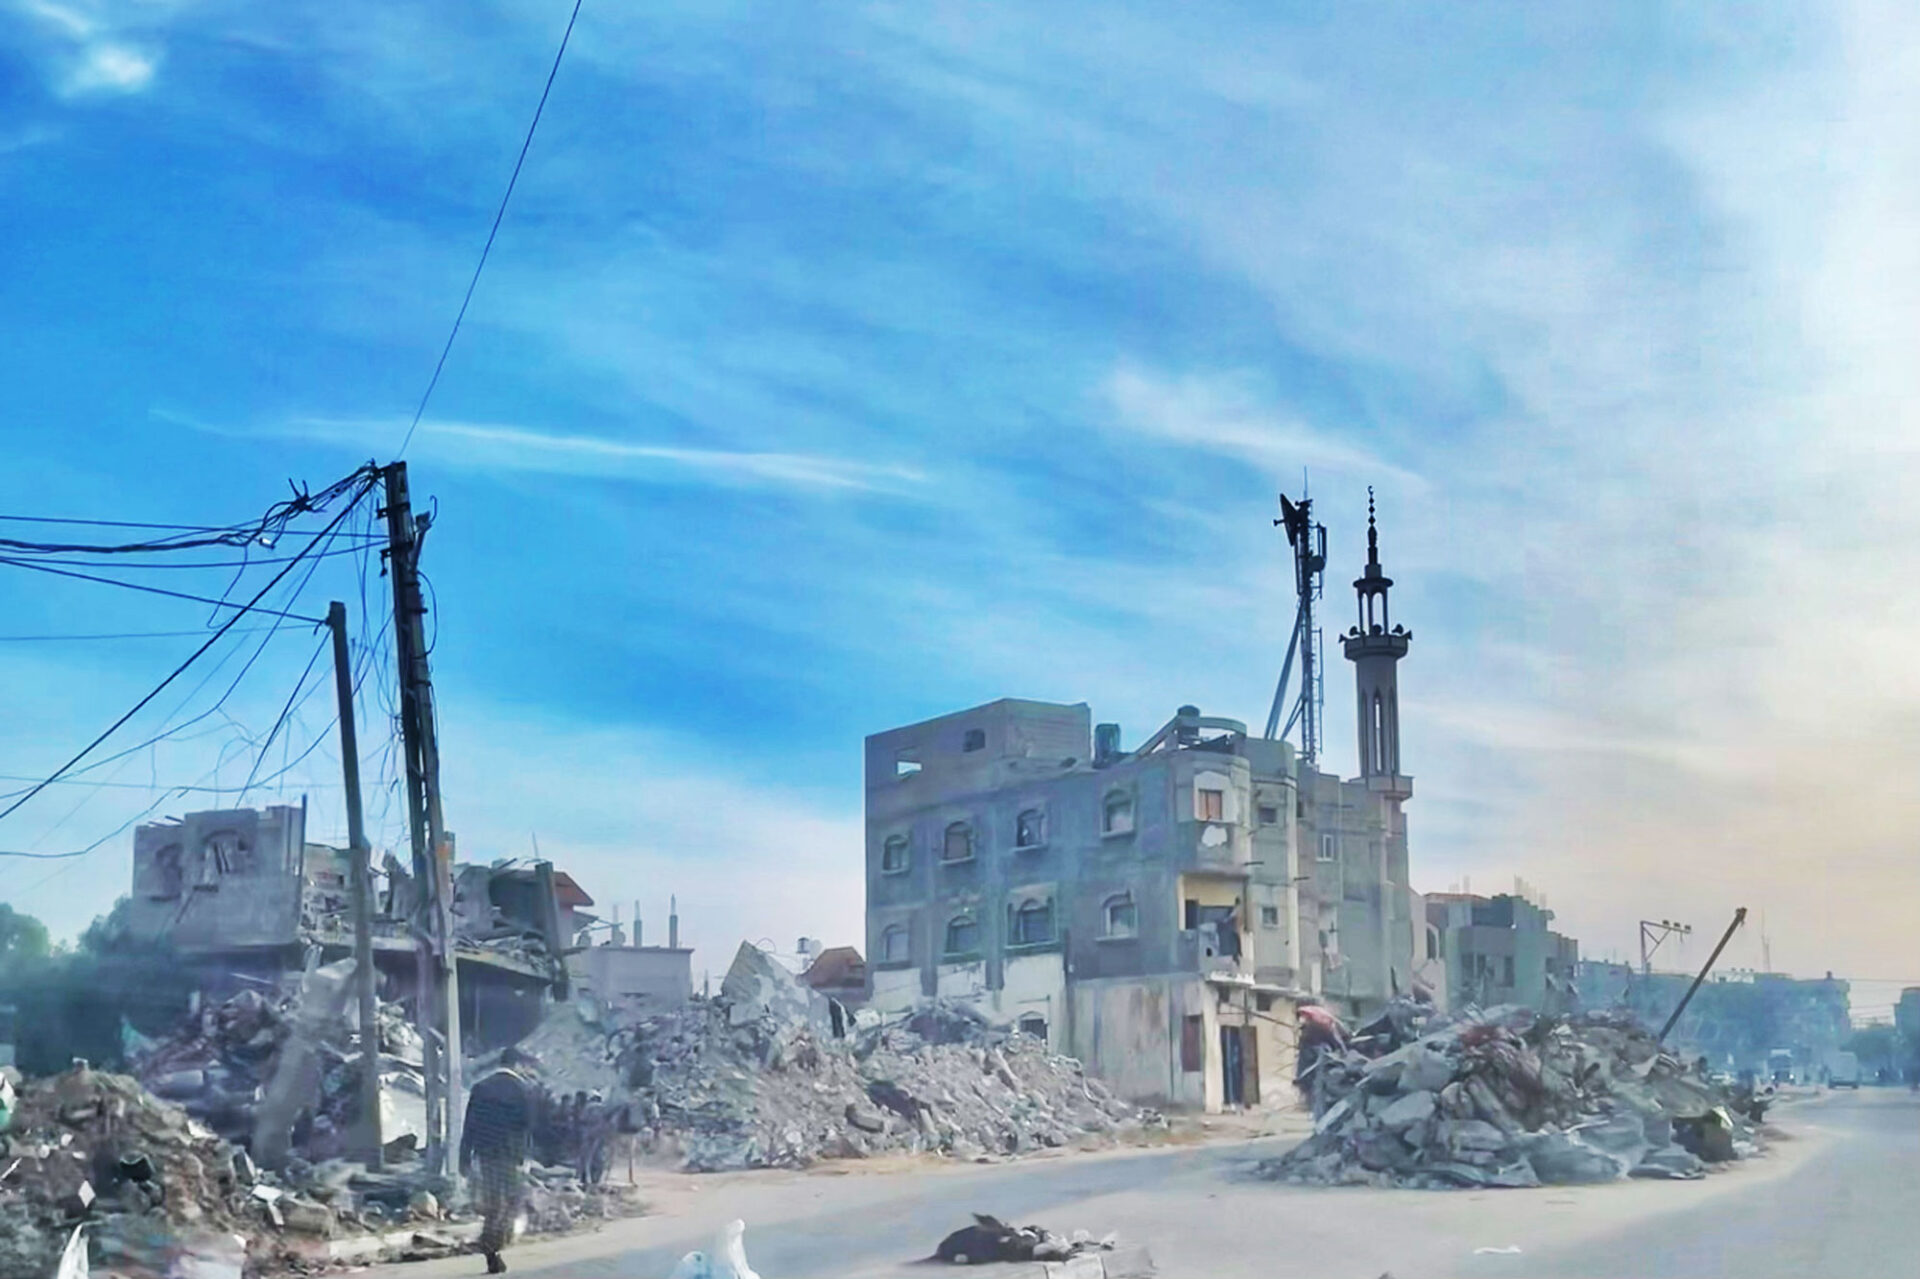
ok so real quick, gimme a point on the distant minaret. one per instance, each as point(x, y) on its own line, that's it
point(1375, 648)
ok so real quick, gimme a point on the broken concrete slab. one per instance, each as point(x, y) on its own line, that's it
point(1408, 1110)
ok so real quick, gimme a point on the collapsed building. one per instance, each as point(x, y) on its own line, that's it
point(242, 897)
point(1501, 950)
point(1156, 912)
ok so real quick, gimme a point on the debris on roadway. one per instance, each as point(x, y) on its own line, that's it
point(989, 1239)
point(1506, 1098)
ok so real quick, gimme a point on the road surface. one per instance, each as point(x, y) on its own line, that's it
point(1840, 1197)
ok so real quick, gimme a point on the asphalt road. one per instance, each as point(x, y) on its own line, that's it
point(1851, 1207)
point(1841, 1197)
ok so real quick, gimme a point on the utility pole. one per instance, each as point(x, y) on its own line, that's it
point(358, 854)
point(1739, 918)
point(1657, 931)
point(438, 1008)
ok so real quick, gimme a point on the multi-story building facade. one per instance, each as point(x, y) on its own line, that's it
point(1500, 950)
point(1144, 910)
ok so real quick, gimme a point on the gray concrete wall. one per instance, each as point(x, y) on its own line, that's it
point(220, 880)
point(654, 975)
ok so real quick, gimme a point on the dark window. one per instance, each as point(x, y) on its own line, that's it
point(963, 935)
point(894, 945)
point(1508, 969)
point(1034, 1024)
point(1269, 815)
point(1210, 806)
point(1263, 1003)
point(1192, 917)
point(1122, 919)
point(1030, 829)
point(1270, 916)
point(1433, 943)
point(975, 740)
point(1032, 923)
point(1116, 814)
point(1190, 1031)
point(1327, 850)
point(959, 843)
point(893, 856)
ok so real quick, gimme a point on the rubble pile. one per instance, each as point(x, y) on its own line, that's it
point(217, 1063)
point(87, 1146)
point(1509, 1099)
point(756, 1078)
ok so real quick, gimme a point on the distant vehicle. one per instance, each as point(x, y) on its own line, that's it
point(1780, 1066)
point(1843, 1071)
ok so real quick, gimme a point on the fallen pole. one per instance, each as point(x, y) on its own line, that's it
point(1739, 918)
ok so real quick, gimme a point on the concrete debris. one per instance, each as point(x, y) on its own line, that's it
point(1503, 1098)
point(989, 1239)
point(95, 1149)
point(756, 1079)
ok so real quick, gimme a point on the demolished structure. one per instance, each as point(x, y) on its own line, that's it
point(757, 1077)
point(240, 894)
point(1509, 1099)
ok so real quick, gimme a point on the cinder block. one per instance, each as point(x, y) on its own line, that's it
point(1126, 1263)
point(1085, 1266)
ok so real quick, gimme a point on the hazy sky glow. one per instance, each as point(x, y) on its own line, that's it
point(841, 367)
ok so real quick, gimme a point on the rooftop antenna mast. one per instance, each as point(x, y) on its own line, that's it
point(1309, 542)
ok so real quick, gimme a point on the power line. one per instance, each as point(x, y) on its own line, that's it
point(285, 711)
point(160, 590)
point(366, 486)
point(487, 248)
point(168, 564)
point(53, 519)
point(125, 635)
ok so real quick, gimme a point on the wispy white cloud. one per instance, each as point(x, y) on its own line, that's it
point(98, 48)
point(1225, 415)
point(494, 447)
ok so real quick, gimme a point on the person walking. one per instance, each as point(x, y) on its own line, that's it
point(493, 1147)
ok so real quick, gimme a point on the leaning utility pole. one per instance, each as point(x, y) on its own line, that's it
point(1739, 918)
point(358, 853)
point(438, 1006)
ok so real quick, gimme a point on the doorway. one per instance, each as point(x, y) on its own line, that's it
point(1239, 1067)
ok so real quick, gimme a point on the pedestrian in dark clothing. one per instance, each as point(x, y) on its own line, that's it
point(493, 1148)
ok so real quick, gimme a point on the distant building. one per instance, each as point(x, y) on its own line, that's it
point(839, 972)
point(1735, 1019)
point(1143, 909)
point(1500, 950)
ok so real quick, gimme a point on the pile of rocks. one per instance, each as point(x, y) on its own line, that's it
point(1509, 1099)
point(96, 1148)
point(757, 1078)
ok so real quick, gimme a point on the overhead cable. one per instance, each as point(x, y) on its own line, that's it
point(487, 248)
point(365, 486)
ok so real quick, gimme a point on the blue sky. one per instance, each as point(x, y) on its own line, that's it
point(844, 365)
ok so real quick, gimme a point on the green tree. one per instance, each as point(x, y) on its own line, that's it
point(23, 939)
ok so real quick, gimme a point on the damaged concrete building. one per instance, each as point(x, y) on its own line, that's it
point(1500, 950)
point(1144, 909)
point(1135, 909)
point(241, 894)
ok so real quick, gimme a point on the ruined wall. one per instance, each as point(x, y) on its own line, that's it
point(220, 880)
